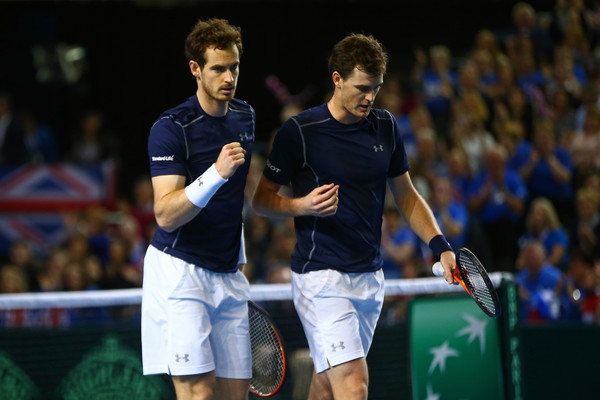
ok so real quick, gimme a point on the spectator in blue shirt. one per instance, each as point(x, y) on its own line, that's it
point(548, 171)
point(543, 225)
point(537, 281)
point(497, 198)
point(452, 215)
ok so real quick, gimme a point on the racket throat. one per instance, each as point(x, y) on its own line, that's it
point(459, 279)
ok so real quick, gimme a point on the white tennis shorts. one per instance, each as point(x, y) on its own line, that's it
point(339, 312)
point(194, 320)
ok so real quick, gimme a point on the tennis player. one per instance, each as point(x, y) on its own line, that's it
point(338, 158)
point(194, 305)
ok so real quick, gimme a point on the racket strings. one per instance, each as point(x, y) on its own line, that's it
point(477, 285)
point(267, 361)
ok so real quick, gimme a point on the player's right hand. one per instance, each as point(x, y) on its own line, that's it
point(231, 157)
point(322, 201)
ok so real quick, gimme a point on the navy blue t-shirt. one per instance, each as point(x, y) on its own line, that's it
point(313, 149)
point(186, 141)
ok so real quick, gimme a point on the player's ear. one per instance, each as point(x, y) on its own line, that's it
point(337, 79)
point(195, 69)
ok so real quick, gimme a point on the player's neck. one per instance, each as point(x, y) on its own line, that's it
point(340, 114)
point(213, 107)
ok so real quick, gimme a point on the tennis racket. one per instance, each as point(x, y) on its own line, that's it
point(474, 279)
point(268, 357)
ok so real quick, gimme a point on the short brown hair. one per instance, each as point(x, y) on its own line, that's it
point(358, 51)
point(213, 32)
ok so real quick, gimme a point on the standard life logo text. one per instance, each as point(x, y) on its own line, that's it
point(164, 158)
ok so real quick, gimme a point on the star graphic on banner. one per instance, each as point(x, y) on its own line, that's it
point(475, 329)
point(439, 356)
point(430, 394)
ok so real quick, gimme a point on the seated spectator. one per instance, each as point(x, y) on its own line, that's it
point(498, 91)
point(75, 278)
point(22, 256)
point(566, 75)
point(537, 282)
point(428, 163)
point(487, 72)
point(13, 151)
point(511, 134)
point(588, 99)
point(459, 173)
point(281, 246)
point(525, 25)
point(258, 232)
point(77, 246)
point(497, 198)
point(548, 171)
point(487, 41)
point(562, 116)
point(575, 287)
point(50, 277)
point(590, 307)
point(519, 108)
point(437, 82)
point(119, 273)
point(544, 226)
point(92, 143)
point(399, 245)
point(417, 119)
point(142, 207)
point(585, 146)
point(12, 280)
point(452, 216)
point(470, 135)
point(42, 145)
point(585, 229)
point(529, 77)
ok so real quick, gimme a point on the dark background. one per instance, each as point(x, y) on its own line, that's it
point(134, 66)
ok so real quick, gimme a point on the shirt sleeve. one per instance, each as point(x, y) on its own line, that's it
point(166, 148)
point(286, 154)
point(399, 162)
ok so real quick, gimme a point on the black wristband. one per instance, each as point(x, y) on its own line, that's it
point(438, 245)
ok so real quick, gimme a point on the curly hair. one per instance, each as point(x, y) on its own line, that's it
point(213, 32)
point(358, 51)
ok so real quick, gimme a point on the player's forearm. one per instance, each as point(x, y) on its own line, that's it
point(420, 217)
point(273, 205)
point(174, 210)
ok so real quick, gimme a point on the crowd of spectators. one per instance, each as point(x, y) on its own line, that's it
point(503, 142)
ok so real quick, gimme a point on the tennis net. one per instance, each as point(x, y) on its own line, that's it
point(74, 345)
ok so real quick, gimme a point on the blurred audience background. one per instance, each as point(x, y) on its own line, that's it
point(503, 140)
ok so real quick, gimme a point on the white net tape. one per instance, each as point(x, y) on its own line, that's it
point(258, 292)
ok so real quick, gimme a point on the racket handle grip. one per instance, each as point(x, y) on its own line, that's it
point(437, 269)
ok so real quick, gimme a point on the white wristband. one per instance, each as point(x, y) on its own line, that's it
point(204, 187)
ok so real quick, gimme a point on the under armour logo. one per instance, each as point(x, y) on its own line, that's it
point(185, 358)
point(199, 180)
point(378, 148)
point(340, 346)
point(244, 136)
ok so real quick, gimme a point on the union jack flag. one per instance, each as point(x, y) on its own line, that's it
point(41, 230)
point(56, 187)
point(32, 199)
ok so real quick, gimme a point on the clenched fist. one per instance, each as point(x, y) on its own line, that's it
point(231, 157)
